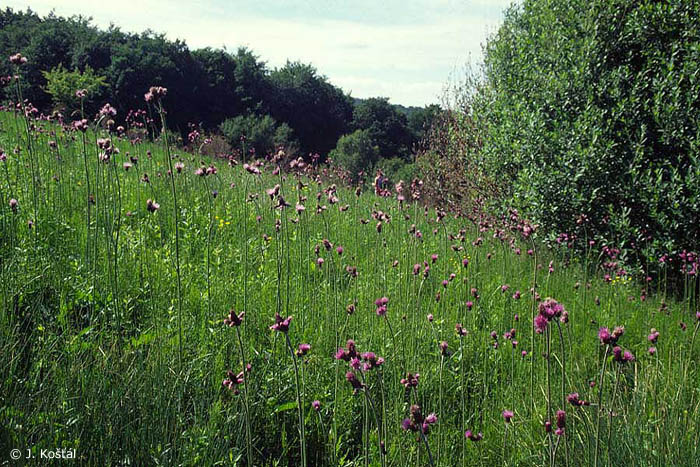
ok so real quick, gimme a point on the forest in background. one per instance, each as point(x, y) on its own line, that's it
point(232, 93)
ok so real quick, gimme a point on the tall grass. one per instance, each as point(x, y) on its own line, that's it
point(150, 389)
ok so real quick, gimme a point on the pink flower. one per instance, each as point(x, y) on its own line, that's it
point(507, 415)
point(281, 324)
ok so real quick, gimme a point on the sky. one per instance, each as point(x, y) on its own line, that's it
point(405, 50)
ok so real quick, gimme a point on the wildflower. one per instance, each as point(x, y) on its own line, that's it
point(548, 426)
point(516, 295)
point(233, 380)
point(13, 205)
point(606, 337)
point(469, 304)
point(346, 355)
point(152, 206)
point(179, 166)
point(339, 250)
point(461, 331)
point(540, 323)
point(18, 59)
point(319, 262)
point(155, 93)
point(652, 350)
point(381, 305)
point(281, 325)
point(433, 258)
point(410, 381)
point(443, 347)
point(653, 336)
point(371, 361)
point(430, 318)
point(303, 350)
point(574, 400)
point(234, 319)
point(561, 422)
point(316, 405)
point(354, 382)
point(507, 415)
point(473, 437)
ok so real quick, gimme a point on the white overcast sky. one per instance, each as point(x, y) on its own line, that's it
point(405, 50)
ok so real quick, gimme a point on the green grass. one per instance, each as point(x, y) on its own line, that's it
point(90, 330)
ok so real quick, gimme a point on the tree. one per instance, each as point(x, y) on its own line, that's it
point(317, 111)
point(387, 127)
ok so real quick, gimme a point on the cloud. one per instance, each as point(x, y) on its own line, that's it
point(408, 60)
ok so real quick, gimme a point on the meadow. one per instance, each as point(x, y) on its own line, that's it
point(160, 307)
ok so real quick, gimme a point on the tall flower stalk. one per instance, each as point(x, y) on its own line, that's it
point(155, 94)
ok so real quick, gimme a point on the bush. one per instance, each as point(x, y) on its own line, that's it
point(355, 152)
point(396, 169)
point(62, 85)
point(591, 108)
point(261, 133)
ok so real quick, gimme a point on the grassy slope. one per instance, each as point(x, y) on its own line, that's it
point(90, 359)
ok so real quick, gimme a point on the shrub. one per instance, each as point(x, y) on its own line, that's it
point(355, 152)
point(591, 108)
point(261, 133)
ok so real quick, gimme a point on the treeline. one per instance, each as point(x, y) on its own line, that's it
point(234, 93)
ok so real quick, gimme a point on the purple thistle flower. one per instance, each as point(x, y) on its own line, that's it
point(605, 337)
point(507, 415)
point(653, 336)
point(303, 349)
point(561, 419)
point(410, 381)
point(540, 324)
point(316, 405)
point(473, 437)
point(13, 205)
point(152, 206)
point(234, 319)
point(354, 382)
point(281, 325)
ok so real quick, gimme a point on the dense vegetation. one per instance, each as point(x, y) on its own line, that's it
point(205, 304)
point(163, 308)
point(590, 108)
point(213, 87)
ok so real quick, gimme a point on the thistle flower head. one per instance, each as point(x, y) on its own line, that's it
point(234, 319)
point(281, 324)
point(152, 206)
point(507, 416)
point(472, 436)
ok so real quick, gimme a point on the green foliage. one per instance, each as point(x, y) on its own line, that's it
point(261, 133)
point(62, 85)
point(591, 108)
point(355, 152)
point(317, 111)
point(89, 332)
point(396, 169)
point(387, 127)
